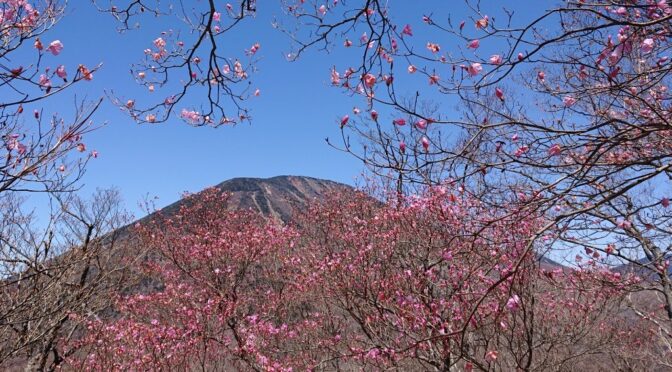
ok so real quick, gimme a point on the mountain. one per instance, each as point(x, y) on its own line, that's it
point(644, 267)
point(549, 264)
point(276, 197)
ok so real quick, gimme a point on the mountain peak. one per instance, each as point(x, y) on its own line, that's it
point(275, 197)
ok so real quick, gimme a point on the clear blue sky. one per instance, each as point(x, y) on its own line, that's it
point(295, 112)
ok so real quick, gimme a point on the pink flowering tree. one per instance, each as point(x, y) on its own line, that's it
point(568, 110)
point(437, 282)
point(219, 296)
point(443, 281)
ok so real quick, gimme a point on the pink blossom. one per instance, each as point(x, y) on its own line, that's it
point(665, 202)
point(191, 116)
point(407, 30)
point(434, 48)
point(21, 148)
point(614, 72)
point(474, 44)
point(322, 10)
point(85, 72)
point(521, 150)
point(44, 81)
point(520, 56)
point(434, 79)
point(239, 70)
point(344, 120)
point(374, 115)
point(60, 72)
point(425, 143)
point(496, 59)
point(623, 223)
point(412, 69)
point(582, 73)
point(569, 101)
point(647, 45)
point(402, 147)
point(335, 77)
point(541, 76)
point(254, 48)
point(16, 71)
point(513, 303)
point(421, 124)
point(399, 122)
point(616, 55)
point(159, 43)
point(474, 69)
point(369, 80)
point(55, 47)
point(554, 150)
point(482, 23)
point(216, 16)
point(499, 93)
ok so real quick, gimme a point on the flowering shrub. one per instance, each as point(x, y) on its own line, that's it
point(433, 281)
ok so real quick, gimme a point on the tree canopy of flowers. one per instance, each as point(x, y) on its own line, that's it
point(357, 283)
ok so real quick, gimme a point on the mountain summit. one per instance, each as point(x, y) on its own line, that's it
point(275, 197)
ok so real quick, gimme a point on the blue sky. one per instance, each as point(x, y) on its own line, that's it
point(296, 110)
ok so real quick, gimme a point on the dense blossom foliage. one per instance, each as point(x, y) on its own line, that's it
point(569, 109)
point(220, 290)
point(434, 282)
